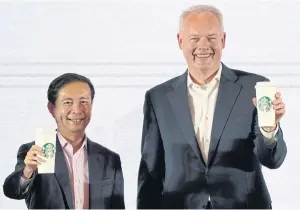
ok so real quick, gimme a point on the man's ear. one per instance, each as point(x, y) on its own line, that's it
point(179, 41)
point(51, 108)
point(224, 40)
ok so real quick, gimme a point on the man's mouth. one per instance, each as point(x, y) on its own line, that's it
point(75, 120)
point(203, 55)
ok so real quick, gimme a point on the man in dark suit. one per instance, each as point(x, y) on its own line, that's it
point(201, 144)
point(87, 175)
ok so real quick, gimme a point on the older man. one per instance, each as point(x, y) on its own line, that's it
point(201, 144)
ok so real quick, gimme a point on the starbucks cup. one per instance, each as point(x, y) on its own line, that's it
point(265, 94)
point(46, 139)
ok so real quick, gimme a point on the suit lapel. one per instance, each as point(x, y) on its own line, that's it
point(178, 99)
point(62, 174)
point(96, 167)
point(228, 93)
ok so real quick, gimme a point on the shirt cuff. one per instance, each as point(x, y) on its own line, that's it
point(270, 137)
point(24, 184)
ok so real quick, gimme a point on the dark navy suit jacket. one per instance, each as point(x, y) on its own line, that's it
point(53, 191)
point(172, 172)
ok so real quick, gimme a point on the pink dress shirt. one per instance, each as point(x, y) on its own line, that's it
point(77, 165)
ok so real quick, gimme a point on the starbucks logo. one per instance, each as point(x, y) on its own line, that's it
point(48, 150)
point(264, 104)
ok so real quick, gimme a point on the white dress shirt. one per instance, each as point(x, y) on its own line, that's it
point(202, 102)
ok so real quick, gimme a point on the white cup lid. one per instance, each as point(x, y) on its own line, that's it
point(265, 84)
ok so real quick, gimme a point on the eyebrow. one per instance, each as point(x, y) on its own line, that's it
point(73, 99)
point(197, 35)
point(84, 97)
point(64, 99)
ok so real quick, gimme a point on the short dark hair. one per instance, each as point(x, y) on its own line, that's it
point(65, 79)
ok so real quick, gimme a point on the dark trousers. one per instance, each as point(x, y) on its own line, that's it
point(208, 205)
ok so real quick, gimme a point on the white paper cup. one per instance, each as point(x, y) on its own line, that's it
point(265, 94)
point(46, 139)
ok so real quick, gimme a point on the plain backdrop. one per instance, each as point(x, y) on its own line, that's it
point(125, 48)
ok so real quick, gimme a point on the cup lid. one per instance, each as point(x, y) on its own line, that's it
point(265, 84)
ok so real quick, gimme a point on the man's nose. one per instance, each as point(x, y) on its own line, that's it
point(77, 107)
point(203, 43)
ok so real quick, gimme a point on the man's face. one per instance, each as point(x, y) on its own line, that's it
point(202, 40)
point(73, 108)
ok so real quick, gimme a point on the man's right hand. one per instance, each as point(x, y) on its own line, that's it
point(32, 161)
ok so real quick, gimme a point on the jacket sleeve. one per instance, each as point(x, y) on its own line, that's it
point(273, 156)
point(11, 187)
point(118, 191)
point(152, 166)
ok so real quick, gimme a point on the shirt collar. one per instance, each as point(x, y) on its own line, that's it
point(64, 142)
point(217, 77)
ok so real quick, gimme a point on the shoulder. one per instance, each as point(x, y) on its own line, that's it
point(158, 92)
point(248, 80)
point(104, 151)
point(164, 86)
point(24, 148)
point(245, 76)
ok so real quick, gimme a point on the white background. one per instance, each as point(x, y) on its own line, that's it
point(125, 48)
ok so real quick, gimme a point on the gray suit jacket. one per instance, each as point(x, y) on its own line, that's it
point(53, 191)
point(172, 172)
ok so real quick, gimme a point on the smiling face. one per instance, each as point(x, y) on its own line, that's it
point(73, 108)
point(202, 40)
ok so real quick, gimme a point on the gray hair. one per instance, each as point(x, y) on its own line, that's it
point(200, 9)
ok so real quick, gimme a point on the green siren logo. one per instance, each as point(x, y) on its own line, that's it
point(49, 150)
point(264, 104)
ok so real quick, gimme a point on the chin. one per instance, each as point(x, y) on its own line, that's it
point(76, 129)
point(203, 67)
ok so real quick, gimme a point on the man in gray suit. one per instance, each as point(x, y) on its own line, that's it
point(201, 144)
point(87, 175)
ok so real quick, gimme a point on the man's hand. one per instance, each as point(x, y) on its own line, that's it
point(32, 161)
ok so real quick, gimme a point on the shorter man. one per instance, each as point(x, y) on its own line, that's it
point(87, 175)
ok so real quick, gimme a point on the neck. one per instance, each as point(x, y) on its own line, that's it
point(202, 77)
point(75, 139)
